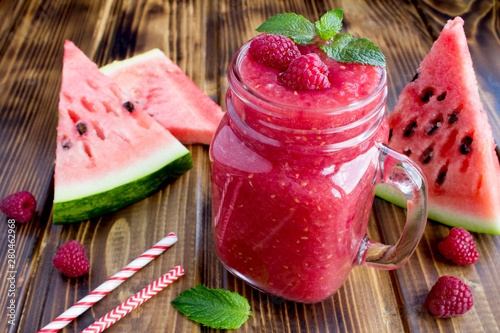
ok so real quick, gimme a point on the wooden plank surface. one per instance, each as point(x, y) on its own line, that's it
point(201, 37)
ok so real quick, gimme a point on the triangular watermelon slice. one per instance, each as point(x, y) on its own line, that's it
point(168, 95)
point(440, 123)
point(110, 153)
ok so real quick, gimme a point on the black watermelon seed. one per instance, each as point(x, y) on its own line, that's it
point(435, 126)
point(415, 77)
point(81, 128)
point(66, 144)
point(407, 152)
point(409, 129)
point(442, 175)
point(390, 134)
point(427, 95)
point(465, 147)
point(453, 118)
point(129, 106)
point(441, 97)
point(426, 155)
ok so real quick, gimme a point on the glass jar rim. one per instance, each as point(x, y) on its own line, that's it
point(234, 72)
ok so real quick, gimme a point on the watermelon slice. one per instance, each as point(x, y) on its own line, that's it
point(168, 95)
point(440, 123)
point(110, 153)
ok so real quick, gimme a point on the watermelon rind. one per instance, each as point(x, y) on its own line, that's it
point(84, 208)
point(117, 65)
point(441, 214)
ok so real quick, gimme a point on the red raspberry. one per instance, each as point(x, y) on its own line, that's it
point(306, 72)
point(274, 50)
point(71, 259)
point(459, 247)
point(449, 297)
point(19, 206)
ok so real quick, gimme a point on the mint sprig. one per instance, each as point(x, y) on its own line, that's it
point(215, 308)
point(342, 47)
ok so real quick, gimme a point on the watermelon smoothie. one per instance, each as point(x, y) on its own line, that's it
point(293, 176)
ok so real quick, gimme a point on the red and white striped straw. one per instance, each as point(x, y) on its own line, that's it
point(133, 302)
point(98, 293)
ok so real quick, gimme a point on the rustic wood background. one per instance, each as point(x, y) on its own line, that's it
point(201, 37)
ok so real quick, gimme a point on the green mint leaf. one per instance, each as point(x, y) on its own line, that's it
point(329, 24)
point(216, 308)
point(291, 25)
point(345, 48)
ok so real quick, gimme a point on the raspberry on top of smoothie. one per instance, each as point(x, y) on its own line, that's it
point(306, 72)
point(293, 59)
point(274, 50)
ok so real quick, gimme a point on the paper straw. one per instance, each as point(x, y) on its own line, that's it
point(133, 302)
point(98, 293)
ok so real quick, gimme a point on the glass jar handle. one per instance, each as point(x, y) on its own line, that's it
point(399, 171)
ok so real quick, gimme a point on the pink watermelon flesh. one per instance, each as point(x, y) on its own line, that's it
point(168, 95)
point(110, 153)
point(440, 123)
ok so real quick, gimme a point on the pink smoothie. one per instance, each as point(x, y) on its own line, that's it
point(292, 176)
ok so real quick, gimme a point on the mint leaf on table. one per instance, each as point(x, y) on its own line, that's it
point(329, 24)
point(294, 26)
point(215, 308)
point(345, 48)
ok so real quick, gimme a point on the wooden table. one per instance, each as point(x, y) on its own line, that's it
point(201, 37)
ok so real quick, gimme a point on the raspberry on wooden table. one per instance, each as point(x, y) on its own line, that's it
point(19, 206)
point(449, 297)
point(306, 72)
point(459, 247)
point(274, 50)
point(71, 259)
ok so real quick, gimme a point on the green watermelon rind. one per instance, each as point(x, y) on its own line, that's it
point(452, 219)
point(85, 208)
